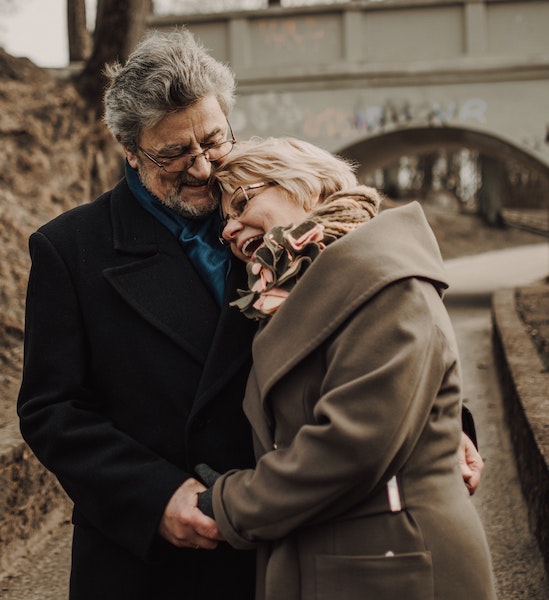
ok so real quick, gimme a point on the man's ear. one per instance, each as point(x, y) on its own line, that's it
point(130, 157)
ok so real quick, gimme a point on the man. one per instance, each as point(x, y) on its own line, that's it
point(135, 367)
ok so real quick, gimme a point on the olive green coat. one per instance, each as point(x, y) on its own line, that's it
point(357, 379)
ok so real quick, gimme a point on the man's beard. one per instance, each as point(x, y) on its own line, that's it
point(173, 199)
point(175, 202)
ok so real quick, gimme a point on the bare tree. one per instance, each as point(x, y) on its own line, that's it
point(79, 36)
point(119, 25)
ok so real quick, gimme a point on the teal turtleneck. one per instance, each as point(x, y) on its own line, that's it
point(199, 238)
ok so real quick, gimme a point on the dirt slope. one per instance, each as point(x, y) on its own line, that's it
point(54, 156)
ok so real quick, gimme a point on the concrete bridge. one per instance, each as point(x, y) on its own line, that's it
point(375, 80)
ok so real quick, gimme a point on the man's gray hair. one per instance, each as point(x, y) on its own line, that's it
point(165, 72)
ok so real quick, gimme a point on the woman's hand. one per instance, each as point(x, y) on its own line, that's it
point(471, 464)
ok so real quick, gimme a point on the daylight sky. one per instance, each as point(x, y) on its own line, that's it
point(36, 29)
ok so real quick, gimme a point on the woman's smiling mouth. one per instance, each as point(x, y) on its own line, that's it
point(251, 245)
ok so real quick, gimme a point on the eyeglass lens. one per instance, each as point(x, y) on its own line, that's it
point(241, 197)
point(238, 203)
point(185, 161)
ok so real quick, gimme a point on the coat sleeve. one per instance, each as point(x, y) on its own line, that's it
point(384, 370)
point(120, 486)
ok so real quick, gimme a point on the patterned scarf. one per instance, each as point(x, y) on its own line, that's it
point(288, 251)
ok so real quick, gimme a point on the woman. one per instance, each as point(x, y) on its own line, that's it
point(355, 393)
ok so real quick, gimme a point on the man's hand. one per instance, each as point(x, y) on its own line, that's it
point(471, 464)
point(183, 524)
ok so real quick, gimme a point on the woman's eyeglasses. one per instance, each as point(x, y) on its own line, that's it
point(240, 199)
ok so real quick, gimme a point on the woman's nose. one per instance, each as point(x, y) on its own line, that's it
point(231, 229)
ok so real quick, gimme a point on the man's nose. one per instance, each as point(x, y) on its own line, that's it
point(201, 167)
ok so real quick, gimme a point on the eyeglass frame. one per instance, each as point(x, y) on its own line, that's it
point(237, 217)
point(191, 156)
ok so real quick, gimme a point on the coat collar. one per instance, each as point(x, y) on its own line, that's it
point(397, 244)
point(134, 230)
point(149, 255)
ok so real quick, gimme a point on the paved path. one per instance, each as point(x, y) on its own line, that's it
point(518, 564)
point(517, 560)
point(516, 557)
point(484, 273)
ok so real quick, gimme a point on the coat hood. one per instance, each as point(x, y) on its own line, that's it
point(397, 244)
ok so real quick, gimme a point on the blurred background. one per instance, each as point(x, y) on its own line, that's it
point(441, 101)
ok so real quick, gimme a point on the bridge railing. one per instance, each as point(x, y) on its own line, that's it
point(396, 42)
point(339, 74)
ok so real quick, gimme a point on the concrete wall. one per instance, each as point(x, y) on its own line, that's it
point(339, 74)
point(525, 380)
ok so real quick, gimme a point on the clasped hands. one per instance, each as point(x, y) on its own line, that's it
point(187, 521)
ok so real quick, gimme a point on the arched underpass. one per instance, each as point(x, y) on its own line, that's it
point(382, 151)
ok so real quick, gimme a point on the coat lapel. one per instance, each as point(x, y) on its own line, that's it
point(232, 342)
point(149, 256)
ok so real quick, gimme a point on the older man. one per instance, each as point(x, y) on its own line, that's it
point(135, 367)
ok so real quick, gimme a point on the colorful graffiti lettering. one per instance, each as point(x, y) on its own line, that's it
point(373, 119)
point(272, 112)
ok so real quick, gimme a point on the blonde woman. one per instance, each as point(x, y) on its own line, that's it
point(355, 393)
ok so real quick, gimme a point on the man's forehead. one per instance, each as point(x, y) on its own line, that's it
point(186, 127)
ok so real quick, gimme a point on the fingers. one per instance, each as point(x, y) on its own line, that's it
point(183, 524)
point(475, 466)
point(209, 539)
point(472, 484)
point(471, 464)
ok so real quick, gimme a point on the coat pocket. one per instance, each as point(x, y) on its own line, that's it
point(395, 577)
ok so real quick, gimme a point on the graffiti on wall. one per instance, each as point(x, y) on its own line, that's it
point(280, 114)
point(373, 119)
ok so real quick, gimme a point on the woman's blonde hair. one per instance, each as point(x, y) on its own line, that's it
point(302, 170)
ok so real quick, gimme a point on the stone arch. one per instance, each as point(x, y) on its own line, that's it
point(382, 150)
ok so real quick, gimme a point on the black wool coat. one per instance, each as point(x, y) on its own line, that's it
point(132, 375)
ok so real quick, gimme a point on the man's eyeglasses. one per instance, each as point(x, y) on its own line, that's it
point(185, 160)
point(238, 203)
